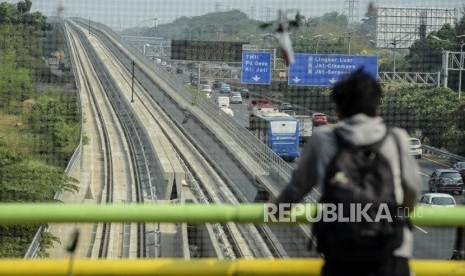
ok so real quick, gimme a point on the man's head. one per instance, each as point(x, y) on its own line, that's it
point(357, 93)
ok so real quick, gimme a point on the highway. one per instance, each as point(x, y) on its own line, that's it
point(430, 242)
point(154, 146)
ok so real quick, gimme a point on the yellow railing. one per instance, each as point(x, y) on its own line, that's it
point(247, 213)
point(205, 267)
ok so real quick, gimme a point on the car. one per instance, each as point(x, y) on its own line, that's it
point(228, 111)
point(217, 84)
point(236, 97)
point(416, 148)
point(244, 92)
point(460, 167)
point(179, 70)
point(290, 112)
point(319, 119)
point(286, 106)
point(225, 88)
point(206, 90)
point(438, 199)
point(446, 180)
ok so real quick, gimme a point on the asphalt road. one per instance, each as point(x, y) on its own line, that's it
point(429, 242)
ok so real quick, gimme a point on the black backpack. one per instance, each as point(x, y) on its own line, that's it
point(360, 176)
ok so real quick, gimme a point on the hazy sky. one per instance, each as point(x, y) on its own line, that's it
point(127, 13)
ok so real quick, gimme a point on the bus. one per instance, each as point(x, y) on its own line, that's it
point(279, 131)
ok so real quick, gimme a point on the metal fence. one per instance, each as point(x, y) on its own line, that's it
point(34, 247)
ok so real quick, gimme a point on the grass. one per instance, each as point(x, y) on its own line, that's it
point(14, 133)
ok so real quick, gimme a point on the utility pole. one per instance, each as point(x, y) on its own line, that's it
point(132, 83)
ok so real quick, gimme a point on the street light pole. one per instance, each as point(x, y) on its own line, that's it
point(318, 38)
point(395, 47)
point(350, 34)
point(461, 67)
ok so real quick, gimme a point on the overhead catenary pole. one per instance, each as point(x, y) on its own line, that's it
point(132, 83)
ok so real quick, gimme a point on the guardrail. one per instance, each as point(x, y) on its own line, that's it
point(26, 213)
point(203, 267)
point(434, 151)
point(15, 213)
point(34, 247)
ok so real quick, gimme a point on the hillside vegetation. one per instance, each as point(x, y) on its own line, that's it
point(38, 130)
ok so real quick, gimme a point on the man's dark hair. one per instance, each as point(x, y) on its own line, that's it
point(357, 93)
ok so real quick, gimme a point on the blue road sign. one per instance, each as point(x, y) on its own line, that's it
point(326, 70)
point(256, 68)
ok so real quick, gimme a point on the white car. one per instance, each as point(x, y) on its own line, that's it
point(438, 199)
point(206, 90)
point(416, 148)
point(228, 111)
point(236, 97)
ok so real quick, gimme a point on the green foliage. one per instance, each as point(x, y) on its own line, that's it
point(24, 6)
point(15, 239)
point(335, 18)
point(85, 140)
point(420, 108)
point(47, 241)
point(15, 83)
point(37, 142)
point(231, 25)
point(29, 181)
point(54, 117)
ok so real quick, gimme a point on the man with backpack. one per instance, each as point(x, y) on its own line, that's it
point(360, 165)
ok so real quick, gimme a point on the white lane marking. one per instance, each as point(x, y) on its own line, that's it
point(422, 230)
point(431, 160)
point(424, 174)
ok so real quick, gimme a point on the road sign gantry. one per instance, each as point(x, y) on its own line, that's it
point(326, 70)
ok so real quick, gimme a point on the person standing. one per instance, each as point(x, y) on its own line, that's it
point(359, 160)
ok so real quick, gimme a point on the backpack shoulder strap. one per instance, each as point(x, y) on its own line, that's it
point(397, 142)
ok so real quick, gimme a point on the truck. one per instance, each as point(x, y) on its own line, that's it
point(259, 106)
point(222, 101)
point(305, 128)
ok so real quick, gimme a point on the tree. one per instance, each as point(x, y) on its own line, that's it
point(426, 108)
point(24, 6)
point(425, 55)
point(6, 13)
point(368, 25)
point(335, 18)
